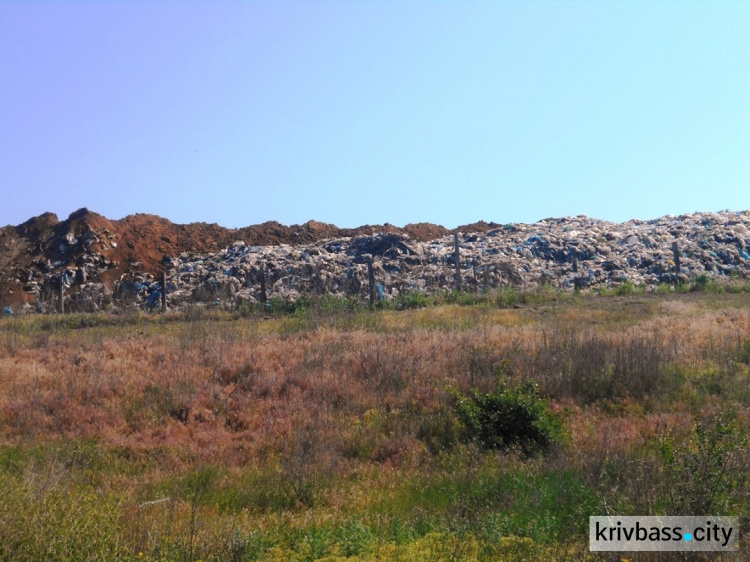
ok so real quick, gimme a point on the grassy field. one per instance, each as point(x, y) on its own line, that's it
point(466, 430)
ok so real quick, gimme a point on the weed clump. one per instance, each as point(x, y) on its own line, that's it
point(702, 477)
point(744, 353)
point(511, 418)
point(412, 299)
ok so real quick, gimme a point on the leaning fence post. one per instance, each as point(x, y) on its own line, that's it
point(263, 297)
point(676, 252)
point(60, 294)
point(371, 279)
point(163, 291)
point(457, 260)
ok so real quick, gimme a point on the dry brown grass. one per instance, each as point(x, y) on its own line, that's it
point(308, 405)
point(233, 389)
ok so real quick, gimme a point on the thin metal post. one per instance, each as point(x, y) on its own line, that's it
point(163, 291)
point(676, 252)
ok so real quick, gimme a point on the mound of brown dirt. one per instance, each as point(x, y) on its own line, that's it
point(480, 226)
point(141, 241)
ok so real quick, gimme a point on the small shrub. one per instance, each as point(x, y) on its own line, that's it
point(605, 292)
point(737, 286)
point(463, 298)
point(412, 299)
point(706, 475)
point(704, 283)
point(663, 289)
point(507, 298)
point(543, 294)
point(510, 418)
point(624, 289)
point(682, 286)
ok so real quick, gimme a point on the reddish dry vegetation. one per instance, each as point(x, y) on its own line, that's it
point(300, 437)
point(233, 390)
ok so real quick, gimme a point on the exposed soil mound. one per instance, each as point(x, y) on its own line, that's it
point(140, 242)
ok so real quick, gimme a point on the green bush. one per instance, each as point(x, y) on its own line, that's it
point(507, 298)
point(462, 298)
point(705, 283)
point(663, 289)
point(707, 475)
point(510, 418)
point(412, 299)
point(624, 289)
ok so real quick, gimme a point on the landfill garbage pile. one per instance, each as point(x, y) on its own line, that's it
point(566, 253)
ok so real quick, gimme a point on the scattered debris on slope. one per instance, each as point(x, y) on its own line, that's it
point(98, 260)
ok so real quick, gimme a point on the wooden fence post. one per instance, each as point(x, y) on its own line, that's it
point(676, 252)
point(60, 294)
point(457, 260)
point(371, 279)
point(163, 291)
point(263, 297)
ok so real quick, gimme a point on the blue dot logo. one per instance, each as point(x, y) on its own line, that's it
point(688, 537)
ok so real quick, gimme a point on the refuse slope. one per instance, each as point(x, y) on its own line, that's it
point(95, 257)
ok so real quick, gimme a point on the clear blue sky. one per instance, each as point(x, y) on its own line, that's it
point(356, 112)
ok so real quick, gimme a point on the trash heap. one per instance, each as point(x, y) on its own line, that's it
point(567, 253)
point(84, 292)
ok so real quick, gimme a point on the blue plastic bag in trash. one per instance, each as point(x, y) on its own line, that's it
point(154, 297)
point(381, 291)
point(8, 311)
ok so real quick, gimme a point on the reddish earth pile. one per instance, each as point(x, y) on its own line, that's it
point(141, 241)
